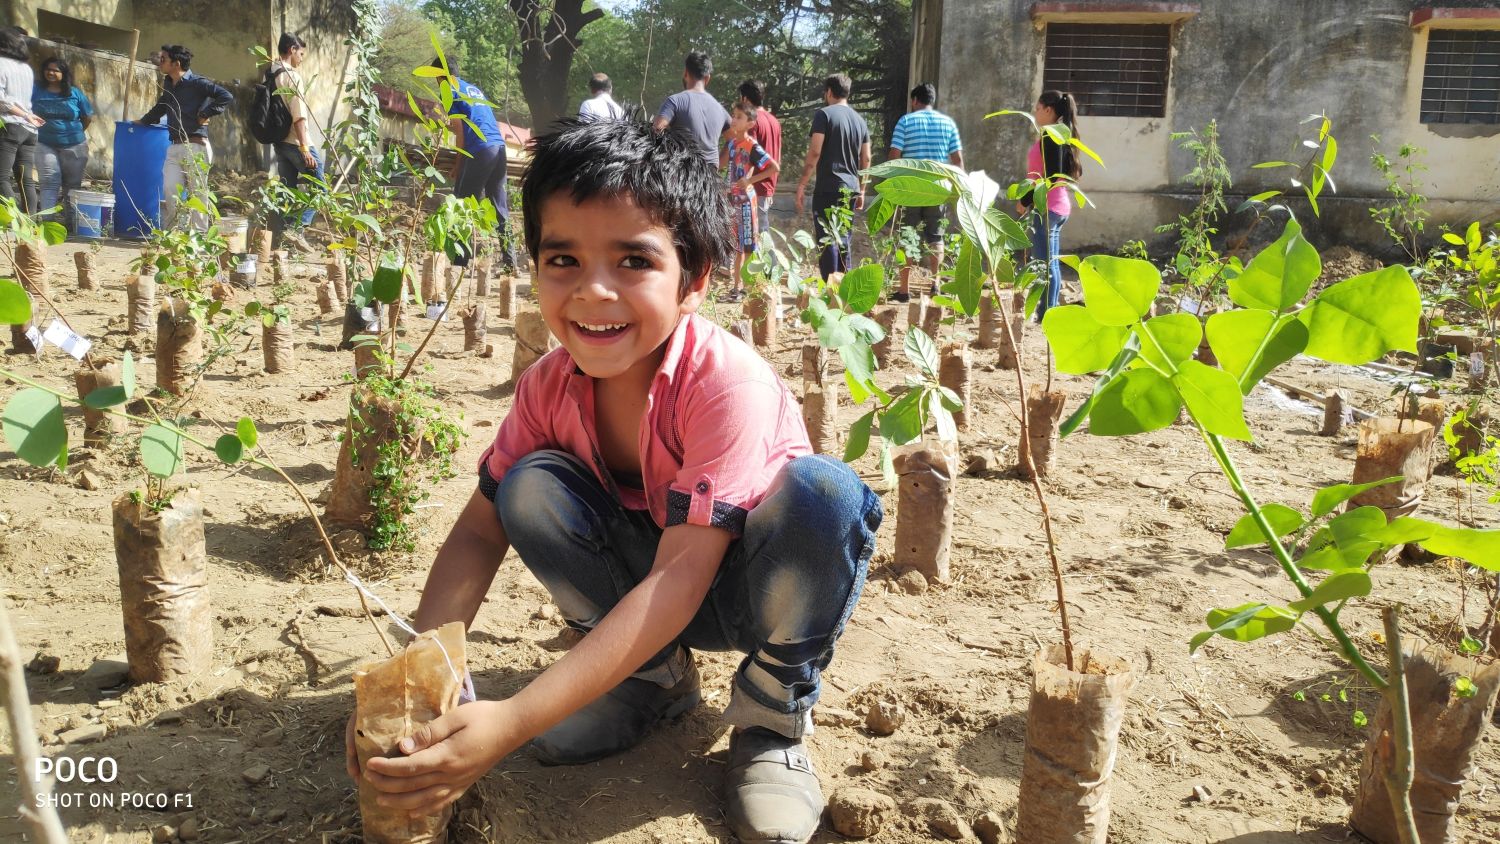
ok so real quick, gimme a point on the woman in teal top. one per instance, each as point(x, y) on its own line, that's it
point(62, 148)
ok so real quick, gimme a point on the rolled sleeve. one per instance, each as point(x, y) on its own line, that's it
point(728, 439)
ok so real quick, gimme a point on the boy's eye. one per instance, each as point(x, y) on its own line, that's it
point(561, 261)
point(635, 262)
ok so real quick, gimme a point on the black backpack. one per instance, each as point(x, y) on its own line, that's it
point(270, 119)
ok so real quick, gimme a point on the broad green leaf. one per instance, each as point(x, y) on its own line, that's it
point(386, 286)
point(901, 422)
point(245, 431)
point(973, 226)
point(34, 427)
point(878, 214)
point(918, 167)
point(1333, 558)
point(922, 352)
point(1360, 319)
point(859, 362)
point(1236, 338)
point(942, 417)
point(968, 276)
point(1245, 623)
point(1328, 499)
point(107, 397)
point(861, 287)
point(1340, 586)
point(1127, 354)
point(859, 391)
point(915, 191)
point(834, 331)
point(229, 449)
point(1477, 547)
point(859, 438)
point(1214, 399)
point(1283, 520)
point(428, 72)
point(15, 305)
point(867, 329)
point(1118, 291)
point(1080, 344)
point(1169, 339)
point(1278, 277)
point(54, 233)
point(1140, 400)
point(1006, 231)
point(161, 450)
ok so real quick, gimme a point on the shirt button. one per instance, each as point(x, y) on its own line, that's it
point(703, 486)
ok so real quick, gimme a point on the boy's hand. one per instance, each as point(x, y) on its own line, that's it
point(445, 757)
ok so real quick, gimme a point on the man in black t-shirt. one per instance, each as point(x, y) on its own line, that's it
point(838, 150)
point(694, 109)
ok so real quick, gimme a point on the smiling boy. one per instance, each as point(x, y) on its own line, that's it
point(655, 475)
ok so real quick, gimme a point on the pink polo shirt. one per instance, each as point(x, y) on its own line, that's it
point(719, 426)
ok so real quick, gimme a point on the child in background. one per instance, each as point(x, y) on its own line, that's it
point(744, 163)
point(654, 474)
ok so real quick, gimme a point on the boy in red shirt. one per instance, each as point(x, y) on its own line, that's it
point(655, 475)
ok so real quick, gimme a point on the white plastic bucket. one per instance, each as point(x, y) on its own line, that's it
point(236, 231)
point(91, 213)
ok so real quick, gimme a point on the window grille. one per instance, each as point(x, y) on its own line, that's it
point(1111, 69)
point(1461, 82)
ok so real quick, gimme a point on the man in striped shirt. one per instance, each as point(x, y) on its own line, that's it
point(926, 133)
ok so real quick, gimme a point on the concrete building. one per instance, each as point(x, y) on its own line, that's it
point(1425, 73)
point(96, 37)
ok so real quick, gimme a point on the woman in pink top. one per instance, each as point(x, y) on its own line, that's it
point(1056, 163)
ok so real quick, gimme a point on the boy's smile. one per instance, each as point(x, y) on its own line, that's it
point(608, 280)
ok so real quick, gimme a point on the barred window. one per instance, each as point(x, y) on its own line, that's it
point(1111, 69)
point(1461, 82)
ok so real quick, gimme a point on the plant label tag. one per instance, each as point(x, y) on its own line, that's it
point(1192, 306)
point(371, 317)
point(438, 310)
point(64, 338)
point(1476, 364)
point(34, 334)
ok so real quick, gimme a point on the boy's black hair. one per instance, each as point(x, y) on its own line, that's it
point(926, 93)
point(698, 65)
point(754, 91)
point(838, 85)
point(289, 42)
point(179, 54)
point(749, 110)
point(662, 172)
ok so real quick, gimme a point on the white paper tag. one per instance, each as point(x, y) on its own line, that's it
point(64, 338)
point(1476, 364)
point(371, 318)
point(438, 310)
point(1192, 306)
point(34, 334)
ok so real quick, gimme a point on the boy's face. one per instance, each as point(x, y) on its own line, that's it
point(607, 279)
point(739, 124)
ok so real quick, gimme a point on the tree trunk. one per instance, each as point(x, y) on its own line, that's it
point(549, 38)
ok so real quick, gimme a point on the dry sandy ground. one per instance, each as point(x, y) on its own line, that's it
point(1140, 524)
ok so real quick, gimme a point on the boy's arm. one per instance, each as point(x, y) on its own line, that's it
point(449, 754)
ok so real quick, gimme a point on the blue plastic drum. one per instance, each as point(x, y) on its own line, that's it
point(140, 153)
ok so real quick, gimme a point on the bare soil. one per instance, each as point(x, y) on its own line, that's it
point(1140, 522)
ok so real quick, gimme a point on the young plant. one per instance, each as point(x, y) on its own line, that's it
point(1404, 217)
point(1200, 270)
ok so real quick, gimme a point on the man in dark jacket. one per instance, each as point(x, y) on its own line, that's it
point(188, 101)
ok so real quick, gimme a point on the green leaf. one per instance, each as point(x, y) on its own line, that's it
point(245, 431)
point(161, 450)
point(918, 167)
point(229, 449)
point(861, 287)
point(1360, 319)
point(1006, 231)
point(386, 286)
point(968, 276)
point(916, 191)
point(1464, 687)
point(1081, 344)
point(1128, 354)
point(1245, 623)
point(1340, 586)
point(1213, 398)
point(54, 233)
point(922, 352)
point(428, 72)
point(868, 330)
point(1479, 548)
point(859, 438)
point(34, 427)
point(15, 305)
point(901, 423)
point(859, 363)
point(834, 331)
point(1140, 400)
point(1236, 338)
point(878, 214)
point(1278, 277)
point(1328, 499)
point(1118, 291)
point(1169, 339)
point(1283, 520)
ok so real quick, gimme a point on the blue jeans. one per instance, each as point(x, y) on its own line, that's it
point(1045, 248)
point(782, 595)
point(59, 172)
point(483, 176)
point(294, 173)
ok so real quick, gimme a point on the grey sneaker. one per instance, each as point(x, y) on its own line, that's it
point(771, 792)
point(617, 721)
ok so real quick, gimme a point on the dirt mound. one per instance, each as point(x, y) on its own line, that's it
point(1341, 262)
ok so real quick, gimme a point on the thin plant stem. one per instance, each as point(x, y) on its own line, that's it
point(265, 463)
point(1399, 779)
point(38, 811)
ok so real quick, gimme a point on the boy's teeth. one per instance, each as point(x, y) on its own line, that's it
point(605, 326)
